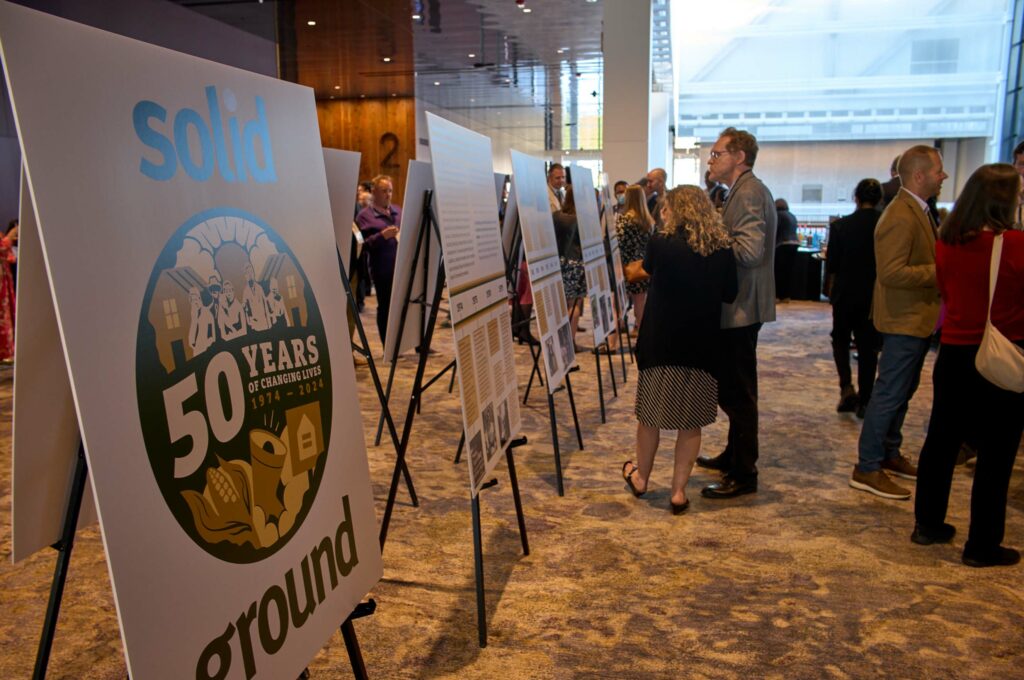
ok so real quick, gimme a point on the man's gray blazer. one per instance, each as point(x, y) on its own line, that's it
point(751, 220)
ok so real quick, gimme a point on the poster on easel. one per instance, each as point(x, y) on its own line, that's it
point(44, 438)
point(531, 193)
point(612, 249)
point(599, 289)
point(467, 215)
point(190, 264)
point(342, 168)
point(419, 180)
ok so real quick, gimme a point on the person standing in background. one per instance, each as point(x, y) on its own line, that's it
point(905, 310)
point(851, 263)
point(634, 227)
point(786, 245)
point(966, 404)
point(750, 218)
point(556, 186)
point(379, 223)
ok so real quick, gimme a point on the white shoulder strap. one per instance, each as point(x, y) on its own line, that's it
point(993, 271)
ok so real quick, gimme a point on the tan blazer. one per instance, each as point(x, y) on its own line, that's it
point(906, 299)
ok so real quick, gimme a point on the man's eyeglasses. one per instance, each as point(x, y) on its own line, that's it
point(718, 154)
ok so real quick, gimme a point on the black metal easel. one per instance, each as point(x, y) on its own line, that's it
point(418, 264)
point(67, 542)
point(415, 398)
point(512, 275)
point(364, 349)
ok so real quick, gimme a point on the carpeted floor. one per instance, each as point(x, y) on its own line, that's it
point(806, 579)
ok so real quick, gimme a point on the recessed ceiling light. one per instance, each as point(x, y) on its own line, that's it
point(436, 82)
point(387, 60)
point(527, 10)
point(471, 100)
point(362, 96)
point(559, 50)
point(337, 87)
point(311, 23)
point(416, 17)
point(394, 94)
point(471, 55)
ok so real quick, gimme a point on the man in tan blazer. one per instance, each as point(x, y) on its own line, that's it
point(905, 309)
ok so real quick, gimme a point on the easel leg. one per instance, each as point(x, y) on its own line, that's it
point(451, 385)
point(554, 444)
point(478, 558)
point(355, 655)
point(600, 383)
point(60, 570)
point(458, 452)
point(515, 494)
point(387, 397)
point(535, 371)
point(611, 374)
point(572, 404)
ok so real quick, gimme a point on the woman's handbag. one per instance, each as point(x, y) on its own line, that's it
point(999, 361)
point(634, 272)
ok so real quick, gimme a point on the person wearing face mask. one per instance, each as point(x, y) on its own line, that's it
point(620, 196)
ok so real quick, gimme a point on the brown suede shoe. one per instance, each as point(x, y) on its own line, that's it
point(901, 467)
point(878, 483)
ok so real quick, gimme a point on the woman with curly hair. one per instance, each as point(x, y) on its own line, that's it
point(633, 227)
point(692, 273)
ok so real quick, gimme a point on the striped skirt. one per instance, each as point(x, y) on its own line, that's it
point(676, 398)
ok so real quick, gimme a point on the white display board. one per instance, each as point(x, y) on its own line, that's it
point(612, 246)
point(595, 264)
point(477, 293)
point(342, 168)
point(530, 188)
point(419, 180)
point(186, 234)
point(45, 430)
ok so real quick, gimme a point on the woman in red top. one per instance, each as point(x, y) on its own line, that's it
point(966, 405)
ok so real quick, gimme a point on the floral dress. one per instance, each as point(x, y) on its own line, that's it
point(633, 240)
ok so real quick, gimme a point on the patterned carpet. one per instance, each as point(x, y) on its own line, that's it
point(806, 579)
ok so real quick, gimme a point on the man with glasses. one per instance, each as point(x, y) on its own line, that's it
point(750, 217)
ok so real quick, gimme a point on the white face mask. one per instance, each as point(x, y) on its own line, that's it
point(621, 199)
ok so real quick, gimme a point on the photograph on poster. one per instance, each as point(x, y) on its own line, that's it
point(212, 388)
point(467, 212)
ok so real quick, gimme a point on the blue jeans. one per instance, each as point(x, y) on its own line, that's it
point(899, 372)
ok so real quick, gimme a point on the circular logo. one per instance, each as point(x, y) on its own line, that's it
point(233, 380)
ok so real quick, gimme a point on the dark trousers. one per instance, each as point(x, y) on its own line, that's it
point(966, 406)
point(784, 256)
point(382, 285)
point(854, 320)
point(737, 395)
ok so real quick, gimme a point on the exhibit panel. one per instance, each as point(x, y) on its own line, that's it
point(45, 436)
point(422, 271)
point(200, 315)
point(477, 293)
point(612, 246)
point(531, 194)
point(599, 290)
point(342, 168)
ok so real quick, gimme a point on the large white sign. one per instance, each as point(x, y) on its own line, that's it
point(423, 271)
point(595, 264)
point(477, 293)
point(186, 233)
point(531, 193)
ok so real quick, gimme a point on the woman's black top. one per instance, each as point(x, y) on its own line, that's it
point(567, 236)
point(684, 304)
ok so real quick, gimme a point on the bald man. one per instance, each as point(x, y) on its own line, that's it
point(905, 310)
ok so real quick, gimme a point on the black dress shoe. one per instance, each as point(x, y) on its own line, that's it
point(718, 462)
point(999, 557)
point(729, 487)
point(927, 536)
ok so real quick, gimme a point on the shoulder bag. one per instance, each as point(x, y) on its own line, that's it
point(999, 361)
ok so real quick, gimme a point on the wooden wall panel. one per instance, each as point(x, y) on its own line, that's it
point(382, 130)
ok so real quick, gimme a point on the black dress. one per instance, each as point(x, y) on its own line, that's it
point(677, 347)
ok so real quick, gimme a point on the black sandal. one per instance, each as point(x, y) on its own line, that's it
point(628, 476)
